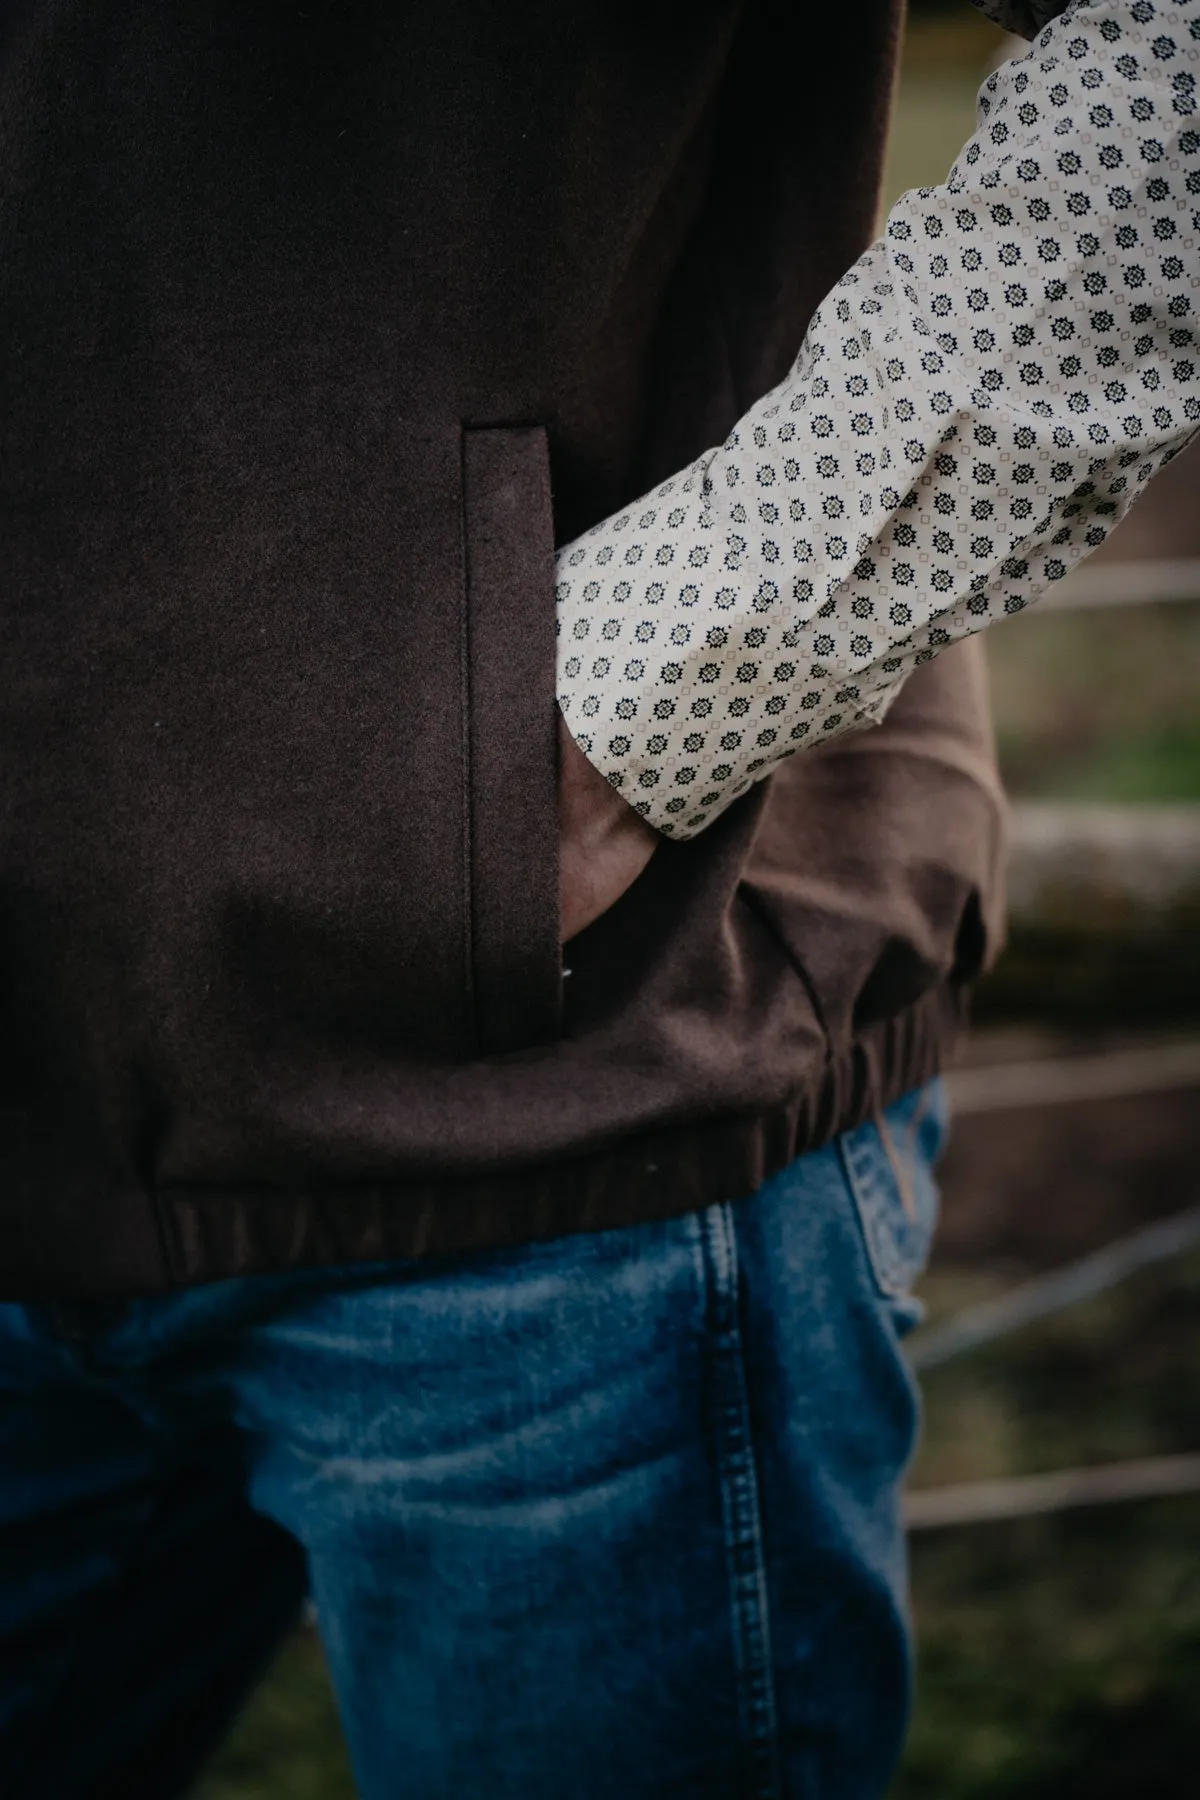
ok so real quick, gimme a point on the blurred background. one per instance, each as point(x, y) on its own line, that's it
point(1059, 1618)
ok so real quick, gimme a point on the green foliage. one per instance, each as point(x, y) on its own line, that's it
point(1101, 705)
point(1060, 1659)
point(288, 1743)
point(1060, 1656)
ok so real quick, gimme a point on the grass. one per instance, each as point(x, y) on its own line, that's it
point(1060, 1656)
point(1101, 705)
point(288, 1743)
point(1118, 1376)
point(1153, 765)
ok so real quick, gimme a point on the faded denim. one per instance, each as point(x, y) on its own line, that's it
point(616, 1517)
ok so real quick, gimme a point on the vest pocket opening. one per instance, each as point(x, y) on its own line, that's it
point(511, 748)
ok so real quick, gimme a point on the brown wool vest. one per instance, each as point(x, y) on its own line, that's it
point(319, 326)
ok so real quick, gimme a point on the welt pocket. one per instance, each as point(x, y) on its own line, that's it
point(511, 737)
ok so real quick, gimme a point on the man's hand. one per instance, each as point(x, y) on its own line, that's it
point(603, 844)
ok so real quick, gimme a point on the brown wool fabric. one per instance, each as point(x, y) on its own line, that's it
point(318, 328)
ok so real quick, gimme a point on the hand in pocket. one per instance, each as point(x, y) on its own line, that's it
point(603, 844)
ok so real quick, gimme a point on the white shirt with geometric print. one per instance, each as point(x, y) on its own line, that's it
point(974, 407)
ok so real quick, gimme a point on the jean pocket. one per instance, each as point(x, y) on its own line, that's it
point(890, 1167)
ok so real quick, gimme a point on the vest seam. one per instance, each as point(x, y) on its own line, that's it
point(466, 765)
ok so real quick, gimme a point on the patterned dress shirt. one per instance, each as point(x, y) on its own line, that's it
point(974, 407)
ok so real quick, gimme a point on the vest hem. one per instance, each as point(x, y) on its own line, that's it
point(219, 1233)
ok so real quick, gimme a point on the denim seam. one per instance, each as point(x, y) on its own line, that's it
point(741, 1511)
point(863, 1175)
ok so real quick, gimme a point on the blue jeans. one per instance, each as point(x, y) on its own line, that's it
point(608, 1516)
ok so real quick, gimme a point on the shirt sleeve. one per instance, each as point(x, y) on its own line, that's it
point(974, 407)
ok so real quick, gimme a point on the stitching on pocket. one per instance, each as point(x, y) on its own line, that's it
point(894, 1194)
point(907, 1197)
point(740, 1510)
